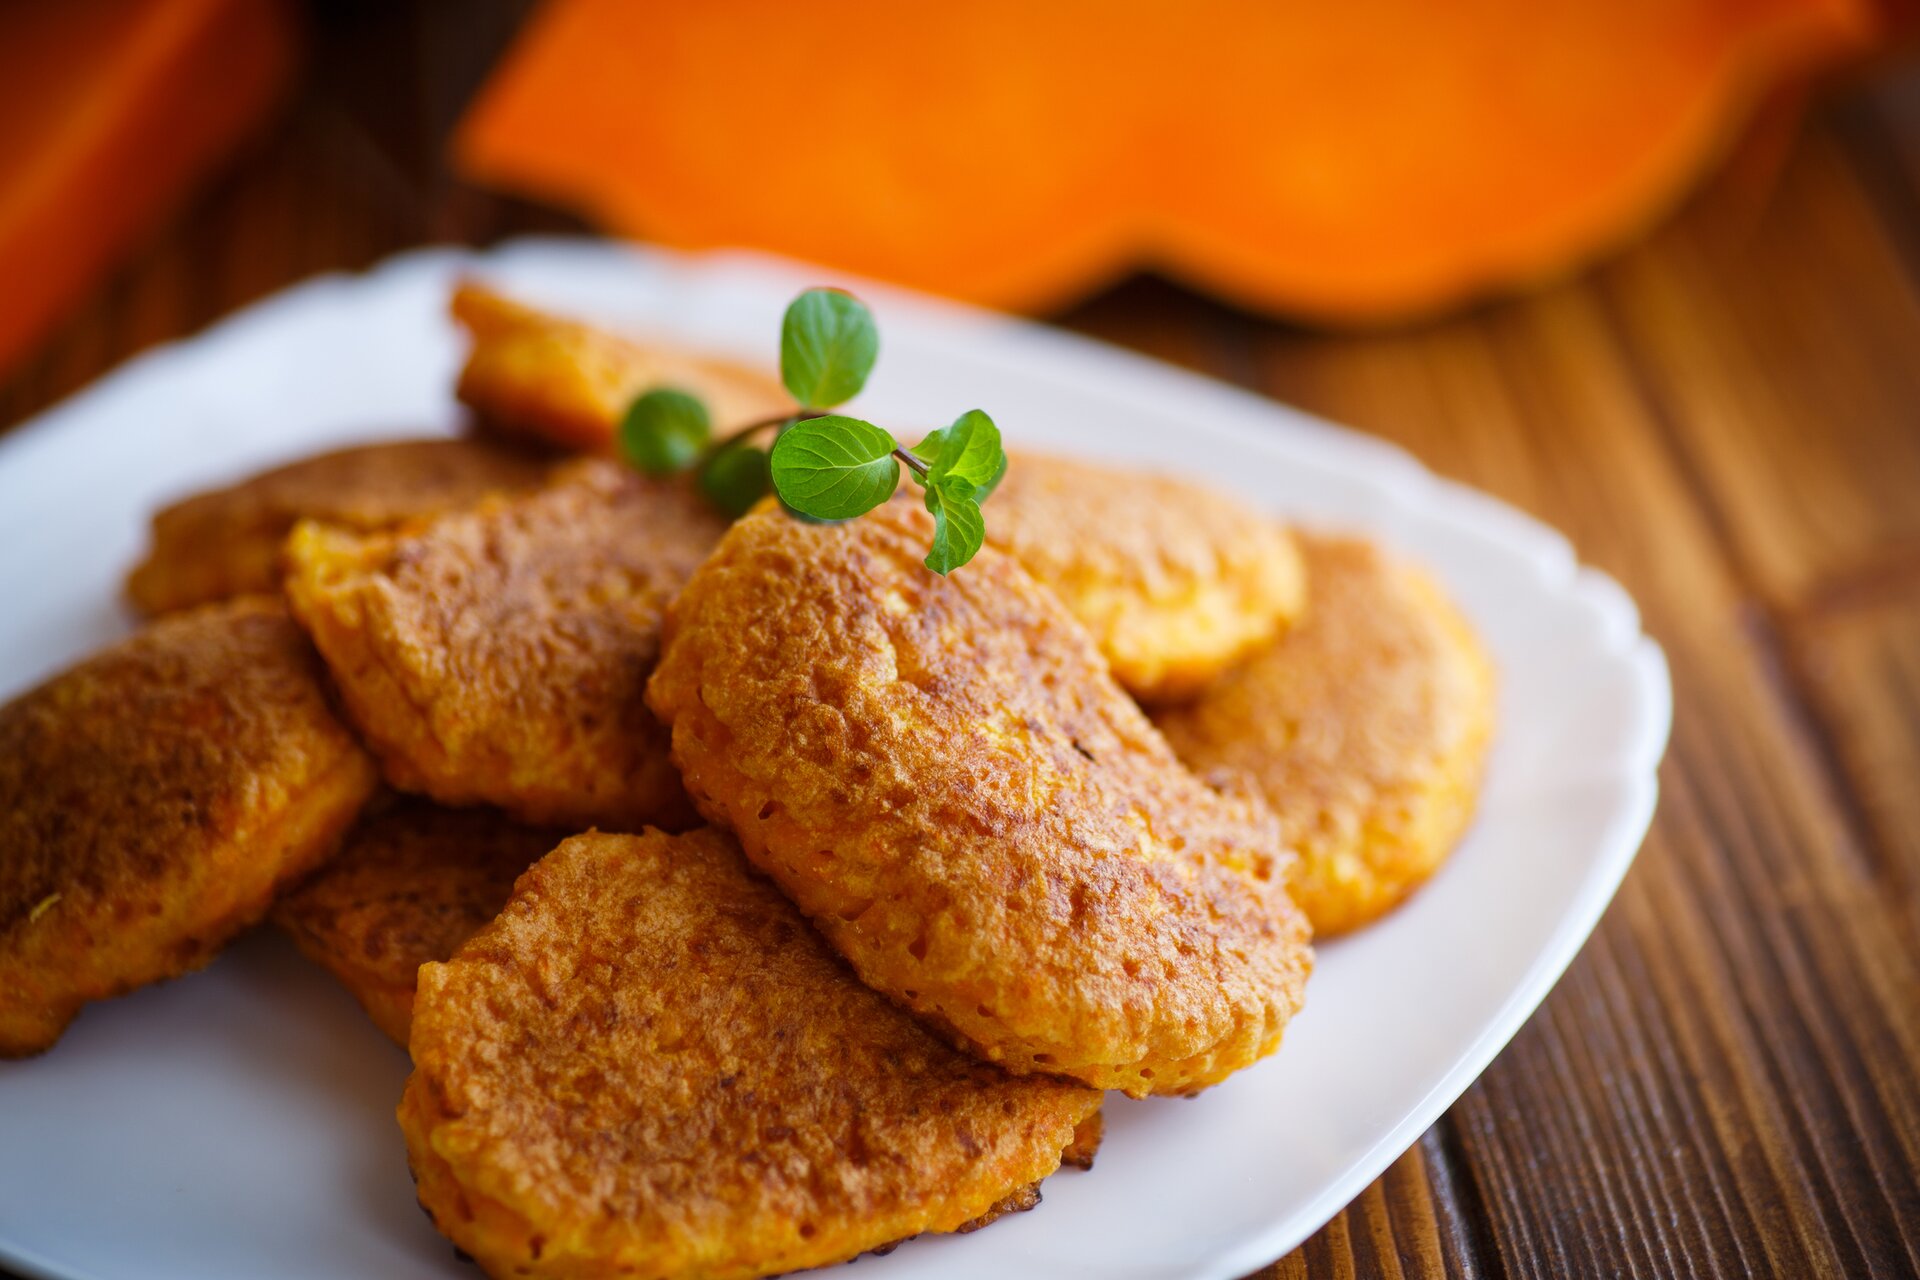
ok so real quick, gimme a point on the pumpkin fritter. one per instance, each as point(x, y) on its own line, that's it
point(1366, 728)
point(944, 776)
point(650, 1066)
point(569, 384)
point(409, 885)
point(1175, 581)
point(499, 655)
point(226, 542)
point(152, 799)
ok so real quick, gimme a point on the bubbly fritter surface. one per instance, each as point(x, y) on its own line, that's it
point(1366, 728)
point(569, 384)
point(409, 885)
point(945, 777)
point(152, 799)
point(650, 1066)
point(1175, 581)
point(227, 542)
point(499, 655)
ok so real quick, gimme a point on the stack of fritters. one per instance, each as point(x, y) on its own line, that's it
point(956, 881)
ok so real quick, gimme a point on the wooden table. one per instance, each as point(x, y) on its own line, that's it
point(1727, 419)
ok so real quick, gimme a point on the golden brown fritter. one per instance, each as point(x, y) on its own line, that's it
point(226, 542)
point(945, 777)
point(499, 655)
point(409, 885)
point(1366, 728)
point(152, 799)
point(1176, 582)
point(569, 384)
point(650, 1066)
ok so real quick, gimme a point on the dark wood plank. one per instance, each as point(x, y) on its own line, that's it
point(1727, 1075)
point(1779, 350)
point(1860, 662)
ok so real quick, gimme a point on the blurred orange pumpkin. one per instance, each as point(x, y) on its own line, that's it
point(110, 112)
point(1354, 162)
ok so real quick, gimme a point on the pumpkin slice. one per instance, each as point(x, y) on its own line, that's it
point(1356, 162)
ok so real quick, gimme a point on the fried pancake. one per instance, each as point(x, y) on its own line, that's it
point(499, 655)
point(944, 776)
point(1366, 728)
point(569, 384)
point(152, 799)
point(650, 1066)
point(408, 886)
point(1175, 581)
point(227, 542)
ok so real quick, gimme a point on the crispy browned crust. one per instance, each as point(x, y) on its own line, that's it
point(1175, 581)
point(499, 655)
point(1086, 1142)
point(1366, 728)
point(650, 1066)
point(226, 542)
point(568, 384)
point(152, 799)
point(409, 885)
point(1018, 1201)
point(944, 776)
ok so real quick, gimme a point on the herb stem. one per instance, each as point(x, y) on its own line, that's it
point(914, 464)
point(753, 428)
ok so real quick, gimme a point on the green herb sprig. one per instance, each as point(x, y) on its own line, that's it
point(824, 466)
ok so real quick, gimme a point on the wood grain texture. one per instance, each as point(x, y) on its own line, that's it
point(1859, 664)
point(1726, 418)
point(1726, 1079)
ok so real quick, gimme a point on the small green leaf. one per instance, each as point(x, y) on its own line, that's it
point(828, 344)
point(735, 478)
point(968, 450)
point(835, 468)
point(958, 528)
point(932, 446)
point(664, 431)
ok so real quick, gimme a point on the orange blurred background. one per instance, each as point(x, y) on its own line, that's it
point(1354, 164)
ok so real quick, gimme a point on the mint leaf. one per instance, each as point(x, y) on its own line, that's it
point(958, 528)
point(835, 468)
point(735, 478)
point(828, 344)
point(664, 431)
point(967, 450)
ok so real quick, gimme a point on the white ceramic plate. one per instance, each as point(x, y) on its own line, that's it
point(238, 1124)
